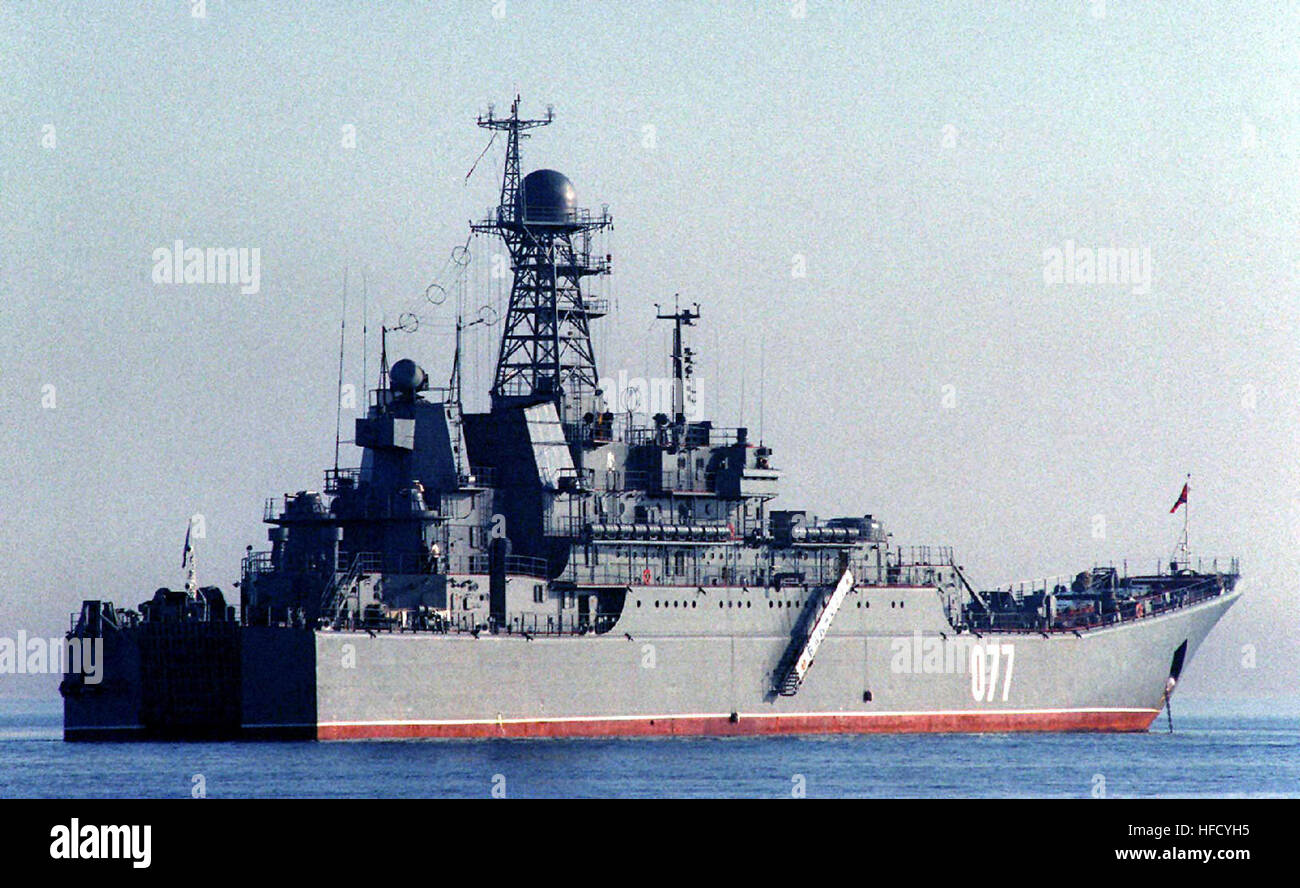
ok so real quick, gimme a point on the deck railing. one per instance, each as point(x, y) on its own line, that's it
point(527, 625)
point(1125, 610)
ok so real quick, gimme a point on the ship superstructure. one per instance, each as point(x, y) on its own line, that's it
point(554, 566)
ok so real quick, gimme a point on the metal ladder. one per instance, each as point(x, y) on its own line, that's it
point(798, 658)
point(334, 601)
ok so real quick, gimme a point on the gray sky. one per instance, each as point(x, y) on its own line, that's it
point(919, 159)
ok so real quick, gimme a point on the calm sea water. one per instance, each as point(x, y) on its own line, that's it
point(1207, 755)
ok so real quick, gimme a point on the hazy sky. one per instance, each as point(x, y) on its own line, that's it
point(915, 161)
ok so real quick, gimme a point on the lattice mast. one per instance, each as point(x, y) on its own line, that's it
point(546, 351)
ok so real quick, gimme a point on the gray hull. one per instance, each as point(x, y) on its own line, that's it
point(394, 685)
point(895, 666)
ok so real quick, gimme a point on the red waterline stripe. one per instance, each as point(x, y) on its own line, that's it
point(947, 722)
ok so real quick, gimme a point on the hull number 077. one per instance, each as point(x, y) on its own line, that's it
point(988, 663)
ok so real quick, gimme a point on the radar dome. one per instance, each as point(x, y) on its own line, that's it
point(407, 377)
point(546, 197)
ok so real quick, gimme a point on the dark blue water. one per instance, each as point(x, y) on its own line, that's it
point(1207, 755)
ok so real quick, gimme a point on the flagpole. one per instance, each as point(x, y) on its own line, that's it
point(1187, 514)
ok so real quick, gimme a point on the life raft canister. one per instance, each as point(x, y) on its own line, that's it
point(646, 577)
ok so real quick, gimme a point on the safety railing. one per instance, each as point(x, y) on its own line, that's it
point(665, 482)
point(526, 625)
point(563, 526)
point(1123, 610)
point(520, 565)
point(387, 562)
point(690, 572)
point(339, 479)
point(479, 476)
point(924, 555)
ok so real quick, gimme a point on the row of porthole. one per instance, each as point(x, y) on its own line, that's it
point(770, 604)
point(693, 604)
point(710, 555)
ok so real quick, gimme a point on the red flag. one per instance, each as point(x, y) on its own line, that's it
point(1182, 499)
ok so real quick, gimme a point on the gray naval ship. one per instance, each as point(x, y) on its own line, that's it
point(552, 567)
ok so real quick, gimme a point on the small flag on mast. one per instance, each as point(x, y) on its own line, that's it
point(188, 551)
point(1182, 500)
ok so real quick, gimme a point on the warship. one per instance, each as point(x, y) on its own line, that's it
point(559, 566)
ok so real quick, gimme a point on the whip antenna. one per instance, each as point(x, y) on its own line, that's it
point(338, 393)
